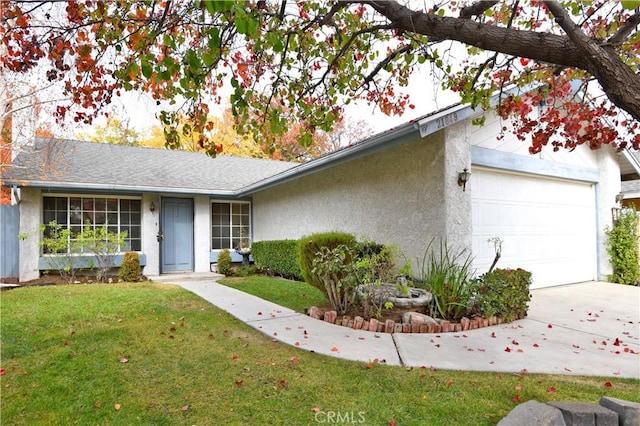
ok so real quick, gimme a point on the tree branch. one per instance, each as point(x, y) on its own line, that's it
point(619, 81)
point(477, 8)
point(625, 30)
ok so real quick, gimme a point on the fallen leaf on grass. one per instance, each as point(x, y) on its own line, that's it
point(449, 383)
point(392, 423)
point(516, 398)
point(293, 360)
point(97, 404)
point(518, 387)
point(117, 407)
point(124, 360)
point(316, 409)
point(282, 383)
point(234, 357)
point(2, 371)
point(607, 384)
point(238, 383)
point(185, 408)
point(551, 389)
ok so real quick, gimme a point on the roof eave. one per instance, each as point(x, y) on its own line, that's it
point(118, 188)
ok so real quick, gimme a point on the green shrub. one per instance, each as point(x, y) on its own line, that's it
point(243, 271)
point(278, 257)
point(224, 262)
point(335, 268)
point(622, 246)
point(130, 267)
point(309, 247)
point(447, 275)
point(503, 292)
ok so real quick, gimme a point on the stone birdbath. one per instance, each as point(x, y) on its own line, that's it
point(245, 252)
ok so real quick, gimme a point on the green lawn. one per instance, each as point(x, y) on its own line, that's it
point(295, 295)
point(147, 353)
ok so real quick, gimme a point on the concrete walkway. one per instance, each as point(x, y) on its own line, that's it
point(590, 329)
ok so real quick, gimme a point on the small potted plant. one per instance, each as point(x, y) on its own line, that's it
point(244, 247)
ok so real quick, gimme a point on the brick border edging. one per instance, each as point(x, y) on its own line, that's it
point(390, 326)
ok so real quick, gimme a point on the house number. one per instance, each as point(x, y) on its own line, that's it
point(447, 120)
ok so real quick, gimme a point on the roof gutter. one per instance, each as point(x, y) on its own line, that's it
point(119, 188)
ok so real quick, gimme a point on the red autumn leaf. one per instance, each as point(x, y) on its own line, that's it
point(514, 342)
point(493, 334)
point(507, 349)
point(520, 351)
point(449, 383)
point(259, 313)
point(316, 409)
point(369, 365)
point(524, 62)
point(293, 360)
point(392, 423)
point(549, 326)
point(551, 389)
point(234, 357)
point(282, 383)
point(334, 349)
point(2, 371)
point(297, 343)
point(516, 398)
point(617, 342)
point(535, 345)
point(97, 404)
point(607, 384)
point(238, 383)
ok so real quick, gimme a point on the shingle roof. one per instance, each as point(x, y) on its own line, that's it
point(61, 163)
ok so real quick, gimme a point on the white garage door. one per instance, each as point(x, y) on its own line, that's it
point(548, 226)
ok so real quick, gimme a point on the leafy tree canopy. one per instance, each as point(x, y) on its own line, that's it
point(567, 71)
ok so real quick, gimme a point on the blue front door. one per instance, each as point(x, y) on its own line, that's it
point(177, 228)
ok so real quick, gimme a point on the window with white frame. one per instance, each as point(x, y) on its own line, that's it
point(78, 212)
point(230, 224)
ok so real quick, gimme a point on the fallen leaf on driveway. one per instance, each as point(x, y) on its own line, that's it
point(334, 349)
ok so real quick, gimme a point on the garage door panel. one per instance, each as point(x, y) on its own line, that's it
point(547, 226)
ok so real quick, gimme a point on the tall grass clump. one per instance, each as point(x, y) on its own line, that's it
point(447, 274)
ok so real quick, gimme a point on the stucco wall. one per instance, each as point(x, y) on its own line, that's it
point(394, 197)
point(608, 187)
point(201, 233)
point(30, 219)
point(150, 228)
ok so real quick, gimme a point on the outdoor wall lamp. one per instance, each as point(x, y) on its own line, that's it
point(152, 207)
point(463, 178)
